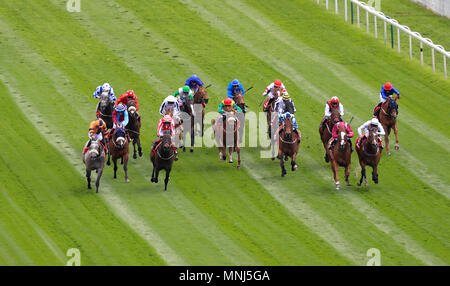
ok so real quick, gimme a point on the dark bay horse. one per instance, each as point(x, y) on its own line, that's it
point(201, 97)
point(388, 118)
point(94, 159)
point(288, 144)
point(226, 135)
point(162, 158)
point(105, 109)
point(119, 148)
point(270, 114)
point(325, 134)
point(340, 156)
point(187, 115)
point(134, 127)
point(369, 154)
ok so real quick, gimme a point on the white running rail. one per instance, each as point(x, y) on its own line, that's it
point(394, 23)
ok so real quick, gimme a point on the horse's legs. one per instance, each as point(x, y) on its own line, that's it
point(184, 142)
point(238, 151)
point(203, 121)
point(230, 152)
point(115, 167)
point(134, 149)
point(293, 163)
point(347, 174)
point(363, 172)
point(192, 136)
point(125, 167)
point(153, 174)
point(396, 136)
point(375, 173)
point(109, 156)
point(88, 178)
point(155, 179)
point(138, 140)
point(386, 140)
point(99, 176)
point(335, 169)
point(166, 180)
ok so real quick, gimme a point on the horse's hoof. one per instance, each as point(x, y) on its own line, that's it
point(134, 156)
point(388, 153)
point(127, 180)
point(397, 147)
point(184, 150)
point(327, 159)
point(238, 167)
point(359, 184)
point(273, 158)
point(108, 163)
point(140, 154)
point(231, 161)
point(348, 184)
point(89, 187)
point(192, 150)
point(294, 168)
point(96, 191)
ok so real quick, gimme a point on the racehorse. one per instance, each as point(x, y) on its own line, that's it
point(369, 154)
point(325, 134)
point(105, 109)
point(226, 135)
point(288, 144)
point(119, 148)
point(388, 118)
point(201, 97)
point(187, 108)
point(134, 127)
point(270, 114)
point(162, 158)
point(94, 159)
point(340, 156)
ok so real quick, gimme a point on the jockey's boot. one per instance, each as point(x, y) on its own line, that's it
point(376, 111)
point(330, 145)
point(351, 145)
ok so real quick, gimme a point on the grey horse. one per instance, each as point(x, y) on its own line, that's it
point(94, 159)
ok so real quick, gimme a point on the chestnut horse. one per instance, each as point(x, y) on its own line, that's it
point(388, 118)
point(369, 154)
point(226, 135)
point(118, 148)
point(288, 144)
point(201, 97)
point(325, 134)
point(134, 127)
point(162, 158)
point(340, 156)
point(239, 100)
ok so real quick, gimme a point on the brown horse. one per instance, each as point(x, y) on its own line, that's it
point(134, 127)
point(288, 144)
point(118, 148)
point(187, 116)
point(238, 98)
point(388, 118)
point(226, 134)
point(369, 154)
point(162, 158)
point(340, 156)
point(270, 114)
point(201, 97)
point(325, 134)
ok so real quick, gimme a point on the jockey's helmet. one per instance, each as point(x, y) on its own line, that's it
point(130, 93)
point(286, 96)
point(120, 108)
point(228, 101)
point(374, 121)
point(167, 119)
point(171, 99)
point(277, 83)
point(106, 87)
point(387, 86)
point(335, 100)
point(235, 82)
point(186, 89)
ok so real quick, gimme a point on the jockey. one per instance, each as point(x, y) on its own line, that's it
point(128, 95)
point(271, 90)
point(194, 83)
point(335, 135)
point(120, 117)
point(387, 90)
point(184, 93)
point(284, 104)
point(227, 105)
point(363, 131)
point(331, 104)
point(234, 86)
point(105, 88)
point(170, 104)
point(97, 131)
point(166, 125)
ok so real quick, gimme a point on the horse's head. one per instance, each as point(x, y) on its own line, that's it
point(335, 116)
point(95, 149)
point(392, 109)
point(131, 106)
point(105, 101)
point(166, 143)
point(372, 138)
point(201, 95)
point(343, 136)
point(287, 125)
point(120, 138)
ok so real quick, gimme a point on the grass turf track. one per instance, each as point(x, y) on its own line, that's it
point(213, 214)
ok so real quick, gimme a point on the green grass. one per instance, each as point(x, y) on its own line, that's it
point(212, 213)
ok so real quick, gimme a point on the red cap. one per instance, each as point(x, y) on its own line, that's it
point(387, 86)
point(277, 83)
point(130, 93)
point(227, 101)
point(335, 99)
